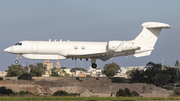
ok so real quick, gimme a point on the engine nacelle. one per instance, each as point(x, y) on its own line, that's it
point(130, 46)
point(113, 45)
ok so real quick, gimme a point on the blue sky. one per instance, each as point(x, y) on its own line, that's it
point(89, 20)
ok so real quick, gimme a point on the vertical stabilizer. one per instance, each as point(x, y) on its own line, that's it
point(148, 37)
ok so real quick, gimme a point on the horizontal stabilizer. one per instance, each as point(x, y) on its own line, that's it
point(155, 25)
point(143, 54)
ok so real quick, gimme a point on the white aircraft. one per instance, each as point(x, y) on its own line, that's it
point(142, 45)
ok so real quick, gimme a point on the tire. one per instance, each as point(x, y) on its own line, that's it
point(16, 61)
point(94, 65)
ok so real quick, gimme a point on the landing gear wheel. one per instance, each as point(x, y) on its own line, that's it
point(16, 61)
point(94, 65)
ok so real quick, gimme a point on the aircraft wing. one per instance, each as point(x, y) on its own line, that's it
point(103, 56)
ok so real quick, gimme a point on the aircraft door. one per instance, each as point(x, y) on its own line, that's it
point(34, 47)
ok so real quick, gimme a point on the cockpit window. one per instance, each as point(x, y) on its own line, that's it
point(18, 43)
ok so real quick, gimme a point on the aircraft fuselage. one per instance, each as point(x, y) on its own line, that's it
point(142, 45)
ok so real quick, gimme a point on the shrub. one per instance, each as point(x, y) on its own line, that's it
point(73, 94)
point(97, 78)
point(118, 80)
point(121, 93)
point(60, 93)
point(64, 93)
point(24, 93)
point(4, 91)
point(77, 78)
point(177, 91)
point(134, 93)
point(1, 78)
point(88, 76)
point(126, 92)
point(25, 76)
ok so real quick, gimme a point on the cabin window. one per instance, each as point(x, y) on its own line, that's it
point(75, 47)
point(83, 47)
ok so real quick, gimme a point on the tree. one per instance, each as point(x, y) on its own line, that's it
point(178, 67)
point(15, 70)
point(110, 69)
point(64, 67)
point(154, 75)
point(54, 72)
point(25, 76)
point(37, 70)
point(177, 63)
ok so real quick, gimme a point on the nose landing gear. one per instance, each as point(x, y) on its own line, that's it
point(16, 61)
point(18, 57)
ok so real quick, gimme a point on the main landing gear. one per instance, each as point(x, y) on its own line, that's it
point(18, 57)
point(94, 65)
point(93, 61)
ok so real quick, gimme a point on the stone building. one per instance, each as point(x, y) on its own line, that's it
point(49, 66)
point(58, 65)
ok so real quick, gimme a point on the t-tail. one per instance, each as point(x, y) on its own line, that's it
point(148, 37)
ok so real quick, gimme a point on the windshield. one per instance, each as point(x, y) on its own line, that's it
point(18, 43)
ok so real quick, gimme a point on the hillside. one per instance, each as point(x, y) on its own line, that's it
point(85, 86)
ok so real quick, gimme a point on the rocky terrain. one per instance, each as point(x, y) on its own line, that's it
point(86, 87)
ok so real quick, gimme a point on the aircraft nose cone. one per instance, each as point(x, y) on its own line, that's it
point(9, 49)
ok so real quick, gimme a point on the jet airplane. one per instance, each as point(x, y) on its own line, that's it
point(142, 45)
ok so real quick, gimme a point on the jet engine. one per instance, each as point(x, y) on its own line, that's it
point(113, 45)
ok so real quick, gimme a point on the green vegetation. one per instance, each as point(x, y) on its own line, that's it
point(63, 67)
point(77, 78)
point(168, 88)
point(154, 74)
point(37, 70)
point(4, 91)
point(126, 92)
point(60, 93)
point(57, 98)
point(54, 72)
point(77, 68)
point(1, 78)
point(24, 93)
point(119, 80)
point(177, 92)
point(15, 70)
point(25, 76)
point(110, 69)
point(64, 93)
